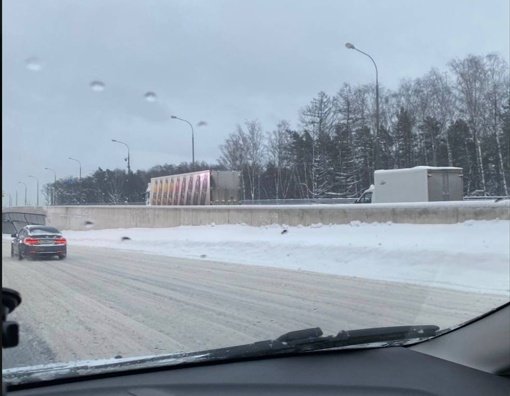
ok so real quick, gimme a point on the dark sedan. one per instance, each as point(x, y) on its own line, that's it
point(38, 241)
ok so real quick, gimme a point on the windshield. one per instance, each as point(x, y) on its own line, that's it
point(205, 159)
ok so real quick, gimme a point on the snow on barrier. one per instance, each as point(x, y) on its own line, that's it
point(104, 217)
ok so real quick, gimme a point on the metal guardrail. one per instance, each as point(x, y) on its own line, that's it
point(482, 198)
point(14, 221)
point(316, 201)
point(261, 202)
point(102, 204)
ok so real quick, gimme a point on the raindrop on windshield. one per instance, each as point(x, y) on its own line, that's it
point(97, 86)
point(33, 64)
point(150, 97)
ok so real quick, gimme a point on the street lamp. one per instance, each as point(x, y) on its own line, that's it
point(25, 191)
point(74, 159)
point(54, 183)
point(54, 174)
point(33, 177)
point(8, 199)
point(192, 141)
point(128, 157)
point(376, 148)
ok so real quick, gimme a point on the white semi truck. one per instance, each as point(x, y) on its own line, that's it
point(207, 187)
point(418, 184)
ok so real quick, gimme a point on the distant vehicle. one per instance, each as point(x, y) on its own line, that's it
point(418, 184)
point(366, 197)
point(195, 188)
point(38, 240)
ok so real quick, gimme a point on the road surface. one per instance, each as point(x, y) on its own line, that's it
point(102, 303)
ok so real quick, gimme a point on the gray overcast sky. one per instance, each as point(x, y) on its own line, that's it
point(219, 61)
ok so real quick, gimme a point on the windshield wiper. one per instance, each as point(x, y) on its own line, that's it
point(314, 336)
point(313, 340)
point(289, 343)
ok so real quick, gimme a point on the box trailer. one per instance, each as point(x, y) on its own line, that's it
point(418, 184)
point(195, 188)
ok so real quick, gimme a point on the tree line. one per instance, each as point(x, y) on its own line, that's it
point(454, 117)
point(113, 187)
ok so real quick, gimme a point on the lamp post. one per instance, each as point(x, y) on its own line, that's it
point(8, 198)
point(128, 156)
point(33, 177)
point(54, 174)
point(74, 159)
point(54, 182)
point(25, 191)
point(376, 147)
point(192, 141)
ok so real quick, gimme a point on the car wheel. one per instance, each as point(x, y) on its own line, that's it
point(12, 251)
point(20, 257)
point(62, 256)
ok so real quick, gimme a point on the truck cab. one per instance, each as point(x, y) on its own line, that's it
point(147, 195)
point(366, 197)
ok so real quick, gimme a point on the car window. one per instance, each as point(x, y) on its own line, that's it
point(43, 231)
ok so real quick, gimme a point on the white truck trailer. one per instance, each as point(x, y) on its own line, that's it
point(207, 187)
point(418, 184)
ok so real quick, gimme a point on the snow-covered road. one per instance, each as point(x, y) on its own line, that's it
point(471, 256)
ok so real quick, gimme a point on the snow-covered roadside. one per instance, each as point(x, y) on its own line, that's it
point(473, 255)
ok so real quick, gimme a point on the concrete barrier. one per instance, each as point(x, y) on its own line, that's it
point(103, 217)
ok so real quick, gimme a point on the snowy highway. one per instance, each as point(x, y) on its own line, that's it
point(102, 302)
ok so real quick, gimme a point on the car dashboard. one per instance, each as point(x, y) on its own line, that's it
point(379, 371)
